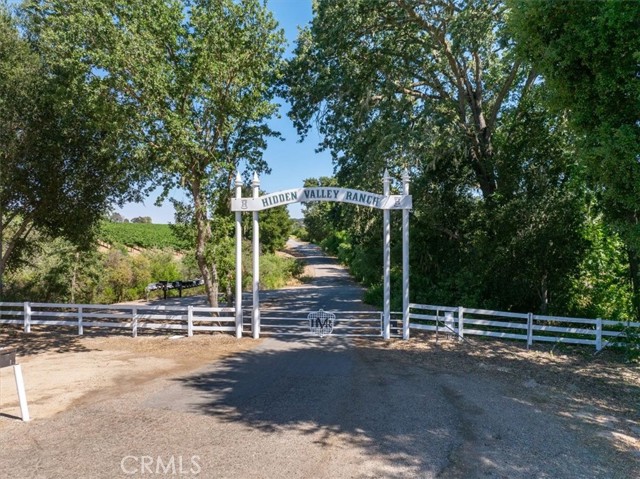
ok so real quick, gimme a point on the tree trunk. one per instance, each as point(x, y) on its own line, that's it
point(74, 276)
point(7, 247)
point(203, 228)
point(215, 288)
point(634, 270)
point(544, 295)
point(1, 254)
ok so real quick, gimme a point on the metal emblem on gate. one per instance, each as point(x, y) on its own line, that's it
point(321, 323)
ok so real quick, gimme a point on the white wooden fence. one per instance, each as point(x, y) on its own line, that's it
point(133, 317)
point(460, 321)
point(456, 321)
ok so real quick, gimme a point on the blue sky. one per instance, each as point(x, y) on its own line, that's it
point(290, 161)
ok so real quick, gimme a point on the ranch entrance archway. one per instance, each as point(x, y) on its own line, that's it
point(385, 202)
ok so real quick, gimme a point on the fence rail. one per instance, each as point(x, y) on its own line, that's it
point(133, 317)
point(455, 321)
point(460, 321)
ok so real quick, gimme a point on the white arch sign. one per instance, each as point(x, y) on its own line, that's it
point(385, 202)
point(322, 193)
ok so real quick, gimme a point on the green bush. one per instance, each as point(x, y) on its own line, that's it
point(276, 271)
point(299, 231)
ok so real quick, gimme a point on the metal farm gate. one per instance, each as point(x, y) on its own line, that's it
point(278, 322)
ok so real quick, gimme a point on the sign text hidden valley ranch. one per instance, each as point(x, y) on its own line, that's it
point(308, 195)
point(328, 194)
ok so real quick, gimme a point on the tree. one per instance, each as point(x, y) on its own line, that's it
point(436, 86)
point(588, 54)
point(116, 218)
point(320, 219)
point(142, 219)
point(60, 166)
point(395, 78)
point(196, 78)
point(538, 218)
point(275, 228)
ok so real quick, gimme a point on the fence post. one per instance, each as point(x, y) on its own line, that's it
point(448, 324)
point(22, 395)
point(460, 323)
point(529, 330)
point(598, 334)
point(405, 259)
point(134, 322)
point(189, 321)
point(80, 326)
point(27, 317)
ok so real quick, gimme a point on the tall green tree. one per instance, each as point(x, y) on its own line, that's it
point(275, 228)
point(386, 79)
point(589, 56)
point(61, 165)
point(196, 78)
point(437, 86)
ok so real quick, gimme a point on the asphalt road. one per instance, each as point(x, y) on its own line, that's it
point(311, 408)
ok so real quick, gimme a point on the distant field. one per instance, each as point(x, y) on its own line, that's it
point(140, 235)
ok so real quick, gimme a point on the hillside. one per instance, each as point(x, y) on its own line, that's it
point(140, 235)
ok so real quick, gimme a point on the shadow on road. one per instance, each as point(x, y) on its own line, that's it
point(321, 391)
point(421, 416)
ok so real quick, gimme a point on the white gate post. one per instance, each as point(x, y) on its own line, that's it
point(27, 317)
point(134, 322)
point(405, 258)
point(80, 321)
point(238, 298)
point(255, 314)
point(386, 333)
point(598, 334)
point(189, 321)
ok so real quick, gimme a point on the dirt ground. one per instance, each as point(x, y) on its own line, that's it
point(61, 369)
point(599, 389)
point(600, 394)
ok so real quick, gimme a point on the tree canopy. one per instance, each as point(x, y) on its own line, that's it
point(438, 86)
point(396, 79)
point(61, 162)
point(589, 55)
point(195, 78)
